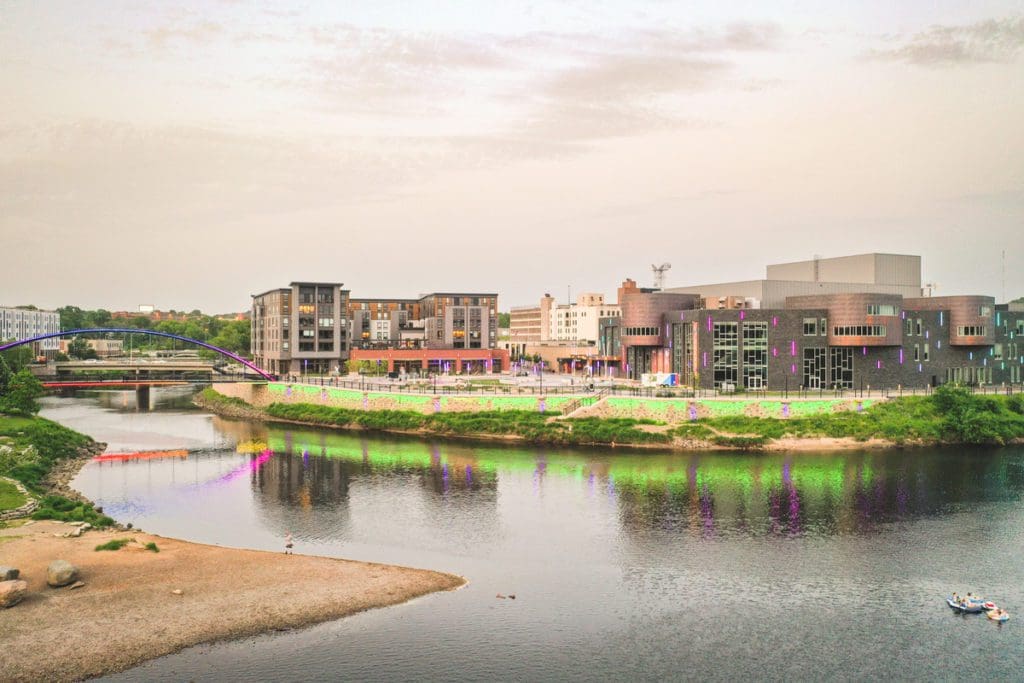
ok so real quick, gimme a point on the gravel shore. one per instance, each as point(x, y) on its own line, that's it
point(127, 612)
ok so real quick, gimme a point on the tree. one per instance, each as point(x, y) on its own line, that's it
point(504, 320)
point(71, 318)
point(79, 348)
point(18, 357)
point(21, 393)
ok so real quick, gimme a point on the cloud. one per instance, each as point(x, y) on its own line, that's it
point(633, 82)
point(198, 33)
point(994, 40)
point(552, 85)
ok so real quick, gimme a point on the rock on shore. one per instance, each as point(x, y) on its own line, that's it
point(12, 592)
point(61, 573)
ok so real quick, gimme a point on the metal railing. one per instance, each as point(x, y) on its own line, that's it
point(593, 394)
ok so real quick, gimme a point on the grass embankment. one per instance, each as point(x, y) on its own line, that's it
point(10, 496)
point(34, 447)
point(950, 415)
point(528, 425)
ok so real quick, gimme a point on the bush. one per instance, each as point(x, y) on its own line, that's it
point(152, 546)
point(114, 544)
point(65, 510)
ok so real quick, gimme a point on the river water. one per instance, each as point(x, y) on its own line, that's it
point(625, 566)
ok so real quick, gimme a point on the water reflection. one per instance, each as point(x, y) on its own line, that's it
point(705, 496)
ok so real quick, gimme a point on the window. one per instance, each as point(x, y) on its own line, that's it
point(841, 366)
point(642, 331)
point(725, 355)
point(882, 309)
point(917, 327)
point(927, 353)
point(810, 327)
point(755, 355)
point(814, 368)
point(909, 327)
point(917, 352)
point(985, 311)
point(970, 331)
point(823, 328)
point(997, 352)
point(859, 331)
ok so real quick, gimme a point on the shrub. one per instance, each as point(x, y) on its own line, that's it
point(152, 546)
point(65, 510)
point(114, 544)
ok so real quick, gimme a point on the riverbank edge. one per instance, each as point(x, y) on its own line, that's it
point(58, 482)
point(237, 408)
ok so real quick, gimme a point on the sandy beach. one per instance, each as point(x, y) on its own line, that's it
point(127, 612)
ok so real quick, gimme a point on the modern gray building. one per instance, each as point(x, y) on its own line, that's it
point(301, 328)
point(825, 334)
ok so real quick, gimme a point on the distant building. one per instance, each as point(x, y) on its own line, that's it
point(463, 324)
point(563, 336)
point(862, 273)
point(104, 348)
point(17, 324)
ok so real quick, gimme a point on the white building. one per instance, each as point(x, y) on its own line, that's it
point(579, 322)
point(19, 323)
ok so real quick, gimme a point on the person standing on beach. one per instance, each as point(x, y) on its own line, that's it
point(288, 544)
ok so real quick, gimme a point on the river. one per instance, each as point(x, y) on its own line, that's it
point(624, 565)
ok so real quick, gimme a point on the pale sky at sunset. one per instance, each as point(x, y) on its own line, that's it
point(189, 156)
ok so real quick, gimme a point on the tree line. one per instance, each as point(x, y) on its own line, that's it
point(232, 335)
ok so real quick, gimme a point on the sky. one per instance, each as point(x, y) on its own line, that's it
point(188, 155)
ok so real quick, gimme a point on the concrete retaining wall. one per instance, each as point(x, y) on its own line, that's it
point(262, 395)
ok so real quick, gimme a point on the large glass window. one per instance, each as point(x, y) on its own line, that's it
point(882, 309)
point(841, 367)
point(755, 355)
point(810, 327)
point(971, 331)
point(725, 354)
point(814, 368)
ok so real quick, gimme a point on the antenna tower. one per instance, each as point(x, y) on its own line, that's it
point(659, 274)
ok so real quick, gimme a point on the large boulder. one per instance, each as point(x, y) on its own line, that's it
point(8, 573)
point(61, 573)
point(11, 592)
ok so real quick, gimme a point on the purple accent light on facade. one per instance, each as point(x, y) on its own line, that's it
point(792, 368)
point(709, 323)
point(878, 365)
point(775, 321)
point(704, 355)
point(743, 315)
point(792, 348)
point(901, 355)
point(775, 352)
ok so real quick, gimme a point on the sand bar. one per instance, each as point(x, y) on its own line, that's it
point(127, 613)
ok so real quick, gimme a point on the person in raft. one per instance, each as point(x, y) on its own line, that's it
point(288, 544)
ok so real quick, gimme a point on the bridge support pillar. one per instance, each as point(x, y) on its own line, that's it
point(142, 397)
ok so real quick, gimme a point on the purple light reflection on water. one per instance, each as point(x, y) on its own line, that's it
point(245, 470)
